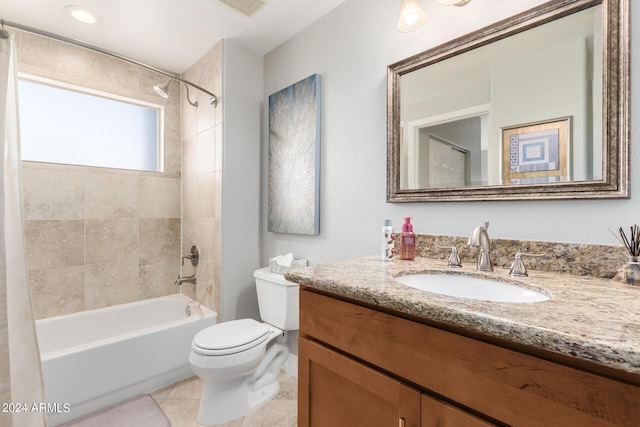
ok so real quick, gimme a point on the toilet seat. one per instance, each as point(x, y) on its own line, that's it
point(230, 337)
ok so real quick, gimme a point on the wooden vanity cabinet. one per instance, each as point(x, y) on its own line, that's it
point(363, 367)
point(343, 392)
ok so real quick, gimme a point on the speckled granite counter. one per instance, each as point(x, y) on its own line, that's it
point(597, 320)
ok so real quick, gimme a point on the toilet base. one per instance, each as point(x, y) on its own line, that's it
point(225, 399)
point(235, 402)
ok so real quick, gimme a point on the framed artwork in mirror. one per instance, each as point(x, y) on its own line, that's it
point(537, 153)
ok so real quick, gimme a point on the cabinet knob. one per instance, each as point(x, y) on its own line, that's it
point(401, 422)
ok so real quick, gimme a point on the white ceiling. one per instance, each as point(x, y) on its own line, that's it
point(169, 34)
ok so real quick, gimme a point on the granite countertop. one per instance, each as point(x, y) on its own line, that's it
point(593, 319)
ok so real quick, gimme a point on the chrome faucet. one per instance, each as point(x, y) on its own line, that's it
point(479, 236)
point(187, 279)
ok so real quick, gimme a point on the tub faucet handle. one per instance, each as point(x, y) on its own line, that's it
point(193, 255)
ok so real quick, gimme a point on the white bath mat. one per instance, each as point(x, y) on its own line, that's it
point(141, 411)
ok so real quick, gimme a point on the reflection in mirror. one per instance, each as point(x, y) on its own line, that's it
point(511, 114)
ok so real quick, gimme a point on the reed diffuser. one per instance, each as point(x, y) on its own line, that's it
point(631, 271)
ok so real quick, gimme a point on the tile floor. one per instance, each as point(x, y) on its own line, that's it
point(180, 403)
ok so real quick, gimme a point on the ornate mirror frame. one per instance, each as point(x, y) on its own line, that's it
point(615, 121)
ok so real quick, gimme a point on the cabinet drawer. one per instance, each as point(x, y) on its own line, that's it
point(436, 413)
point(508, 386)
point(337, 391)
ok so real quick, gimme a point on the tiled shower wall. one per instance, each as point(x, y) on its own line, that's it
point(97, 236)
point(202, 179)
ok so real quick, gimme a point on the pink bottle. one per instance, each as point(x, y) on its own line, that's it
point(407, 240)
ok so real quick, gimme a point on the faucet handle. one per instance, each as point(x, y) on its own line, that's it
point(518, 268)
point(454, 258)
point(193, 256)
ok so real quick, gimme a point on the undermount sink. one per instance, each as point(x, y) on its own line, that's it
point(462, 286)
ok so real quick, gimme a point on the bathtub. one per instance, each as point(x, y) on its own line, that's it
point(96, 358)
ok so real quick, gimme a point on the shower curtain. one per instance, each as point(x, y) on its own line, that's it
point(20, 369)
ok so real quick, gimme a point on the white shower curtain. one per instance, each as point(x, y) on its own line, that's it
point(20, 369)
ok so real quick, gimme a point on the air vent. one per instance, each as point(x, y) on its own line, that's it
point(246, 7)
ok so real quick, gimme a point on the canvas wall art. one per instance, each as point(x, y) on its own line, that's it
point(294, 158)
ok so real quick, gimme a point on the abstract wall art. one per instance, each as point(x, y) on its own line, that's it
point(294, 158)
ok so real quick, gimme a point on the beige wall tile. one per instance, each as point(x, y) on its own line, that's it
point(112, 200)
point(55, 292)
point(190, 156)
point(206, 157)
point(172, 113)
point(202, 231)
point(111, 196)
point(111, 240)
point(67, 63)
point(54, 243)
point(201, 184)
point(159, 197)
point(206, 195)
point(172, 158)
point(159, 256)
point(157, 277)
point(110, 284)
point(189, 197)
point(159, 238)
point(189, 121)
point(52, 194)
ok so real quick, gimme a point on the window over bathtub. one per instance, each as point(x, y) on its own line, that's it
point(61, 123)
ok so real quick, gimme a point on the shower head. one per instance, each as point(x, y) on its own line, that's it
point(163, 89)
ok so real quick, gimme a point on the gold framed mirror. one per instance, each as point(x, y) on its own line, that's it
point(532, 107)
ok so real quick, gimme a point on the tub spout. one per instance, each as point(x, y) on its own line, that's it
point(187, 279)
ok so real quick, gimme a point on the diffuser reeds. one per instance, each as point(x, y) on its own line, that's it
point(631, 245)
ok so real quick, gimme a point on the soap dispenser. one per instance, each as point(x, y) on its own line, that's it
point(407, 240)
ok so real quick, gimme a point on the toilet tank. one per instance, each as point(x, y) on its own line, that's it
point(277, 299)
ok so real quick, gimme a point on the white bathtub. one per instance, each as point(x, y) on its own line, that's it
point(96, 358)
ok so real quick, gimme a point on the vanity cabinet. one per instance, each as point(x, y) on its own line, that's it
point(364, 367)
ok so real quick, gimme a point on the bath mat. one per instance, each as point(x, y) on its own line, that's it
point(140, 411)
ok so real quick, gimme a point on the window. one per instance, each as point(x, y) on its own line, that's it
point(60, 125)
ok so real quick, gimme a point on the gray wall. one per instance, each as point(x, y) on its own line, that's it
point(351, 48)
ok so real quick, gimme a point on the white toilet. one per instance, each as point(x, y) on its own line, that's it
point(239, 361)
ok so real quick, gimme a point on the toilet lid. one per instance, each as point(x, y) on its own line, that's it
point(230, 337)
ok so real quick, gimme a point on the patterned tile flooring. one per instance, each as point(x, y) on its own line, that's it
point(180, 404)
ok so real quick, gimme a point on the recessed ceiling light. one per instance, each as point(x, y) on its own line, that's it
point(82, 14)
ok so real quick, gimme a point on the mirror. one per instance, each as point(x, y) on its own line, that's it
point(532, 107)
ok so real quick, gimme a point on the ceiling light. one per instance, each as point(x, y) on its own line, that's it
point(83, 15)
point(454, 2)
point(412, 16)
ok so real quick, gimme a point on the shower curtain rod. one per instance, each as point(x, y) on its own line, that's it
point(64, 39)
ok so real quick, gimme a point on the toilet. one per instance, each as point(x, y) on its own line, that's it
point(239, 361)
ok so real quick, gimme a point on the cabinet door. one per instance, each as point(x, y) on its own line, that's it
point(436, 413)
point(334, 390)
